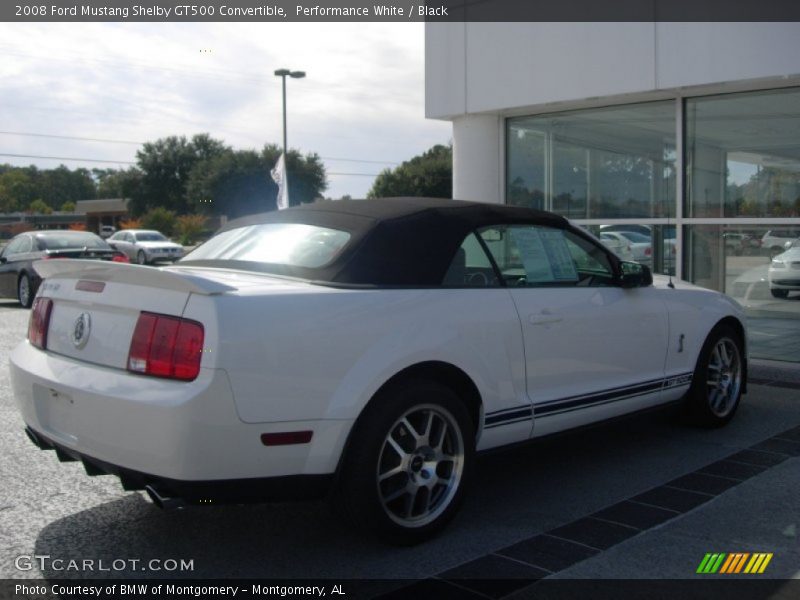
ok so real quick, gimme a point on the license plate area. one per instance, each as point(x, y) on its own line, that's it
point(55, 411)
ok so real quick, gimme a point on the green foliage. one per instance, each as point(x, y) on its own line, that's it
point(68, 206)
point(165, 166)
point(429, 174)
point(189, 228)
point(160, 219)
point(40, 207)
point(17, 190)
point(19, 186)
point(117, 183)
point(238, 182)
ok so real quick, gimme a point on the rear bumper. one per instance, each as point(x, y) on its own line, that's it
point(265, 489)
point(148, 428)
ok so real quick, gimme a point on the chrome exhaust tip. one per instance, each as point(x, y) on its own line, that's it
point(164, 502)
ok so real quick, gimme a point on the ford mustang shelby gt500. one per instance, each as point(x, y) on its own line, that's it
point(365, 349)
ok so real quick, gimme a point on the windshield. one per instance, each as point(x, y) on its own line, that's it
point(74, 239)
point(150, 236)
point(289, 244)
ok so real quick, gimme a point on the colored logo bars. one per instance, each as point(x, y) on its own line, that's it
point(735, 562)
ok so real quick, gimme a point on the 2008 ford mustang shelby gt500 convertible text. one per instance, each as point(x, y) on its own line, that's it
point(362, 348)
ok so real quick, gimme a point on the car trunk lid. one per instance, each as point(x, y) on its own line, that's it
point(96, 305)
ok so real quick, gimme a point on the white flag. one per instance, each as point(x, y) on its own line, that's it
point(279, 176)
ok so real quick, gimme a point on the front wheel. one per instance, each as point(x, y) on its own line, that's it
point(718, 379)
point(141, 258)
point(407, 464)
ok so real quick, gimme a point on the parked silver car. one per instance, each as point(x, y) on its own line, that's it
point(145, 246)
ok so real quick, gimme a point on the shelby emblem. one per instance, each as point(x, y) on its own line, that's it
point(81, 330)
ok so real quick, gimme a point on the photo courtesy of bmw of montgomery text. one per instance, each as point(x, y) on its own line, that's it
point(364, 349)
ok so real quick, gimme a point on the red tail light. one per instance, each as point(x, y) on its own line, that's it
point(165, 346)
point(120, 258)
point(39, 322)
point(648, 251)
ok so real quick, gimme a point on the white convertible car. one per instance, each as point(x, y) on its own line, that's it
point(361, 349)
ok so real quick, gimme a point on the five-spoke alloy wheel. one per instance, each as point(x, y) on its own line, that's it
point(718, 378)
point(407, 462)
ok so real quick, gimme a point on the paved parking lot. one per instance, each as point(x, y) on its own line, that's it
point(55, 509)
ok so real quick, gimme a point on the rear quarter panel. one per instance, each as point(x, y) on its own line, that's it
point(313, 352)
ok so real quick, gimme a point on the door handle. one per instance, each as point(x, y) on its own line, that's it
point(545, 319)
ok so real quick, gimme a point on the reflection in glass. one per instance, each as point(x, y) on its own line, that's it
point(616, 162)
point(743, 155)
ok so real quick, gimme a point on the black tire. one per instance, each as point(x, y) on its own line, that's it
point(777, 293)
point(718, 379)
point(141, 258)
point(406, 490)
point(25, 290)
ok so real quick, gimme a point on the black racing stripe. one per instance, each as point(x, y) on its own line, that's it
point(526, 412)
point(522, 420)
point(558, 410)
point(601, 398)
point(607, 391)
point(505, 410)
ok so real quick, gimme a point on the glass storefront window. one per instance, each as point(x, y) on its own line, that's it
point(616, 162)
point(651, 245)
point(734, 259)
point(743, 155)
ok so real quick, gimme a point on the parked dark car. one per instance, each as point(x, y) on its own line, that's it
point(17, 277)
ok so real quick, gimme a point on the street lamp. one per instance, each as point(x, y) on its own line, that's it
point(282, 73)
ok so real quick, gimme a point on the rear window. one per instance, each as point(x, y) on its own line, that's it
point(289, 244)
point(62, 241)
point(150, 236)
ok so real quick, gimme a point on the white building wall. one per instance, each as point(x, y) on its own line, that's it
point(478, 73)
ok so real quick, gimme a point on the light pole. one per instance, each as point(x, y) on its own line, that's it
point(282, 73)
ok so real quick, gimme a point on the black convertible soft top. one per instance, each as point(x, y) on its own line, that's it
point(394, 241)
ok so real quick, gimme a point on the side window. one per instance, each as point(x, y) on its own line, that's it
point(470, 267)
point(536, 256)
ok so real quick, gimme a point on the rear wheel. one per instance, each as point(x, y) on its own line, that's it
point(718, 379)
point(25, 291)
point(407, 464)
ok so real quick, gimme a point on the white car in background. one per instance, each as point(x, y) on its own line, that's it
point(640, 245)
point(775, 240)
point(620, 247)
point(784, 272)
point(144, 246)
point(364, 349)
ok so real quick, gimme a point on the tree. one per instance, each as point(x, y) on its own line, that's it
point(60, 185)
point(39, 206)
point(68, 206)
point(17, 190)
point(165, 166)
point(238, 182)
point(189, 228)
point(130, 224)
point(429, 174)
point(160, 219)
point(117, 183)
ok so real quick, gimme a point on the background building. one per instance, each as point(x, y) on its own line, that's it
point(686, 132)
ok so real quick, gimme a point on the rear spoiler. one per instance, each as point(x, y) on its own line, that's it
point(67, 268)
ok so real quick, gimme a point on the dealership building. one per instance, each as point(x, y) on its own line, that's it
point(688, 133)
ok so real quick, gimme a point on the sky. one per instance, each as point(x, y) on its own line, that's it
point(363, 98)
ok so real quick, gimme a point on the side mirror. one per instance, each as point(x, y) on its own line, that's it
point(633, 274)
point(3, 260)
